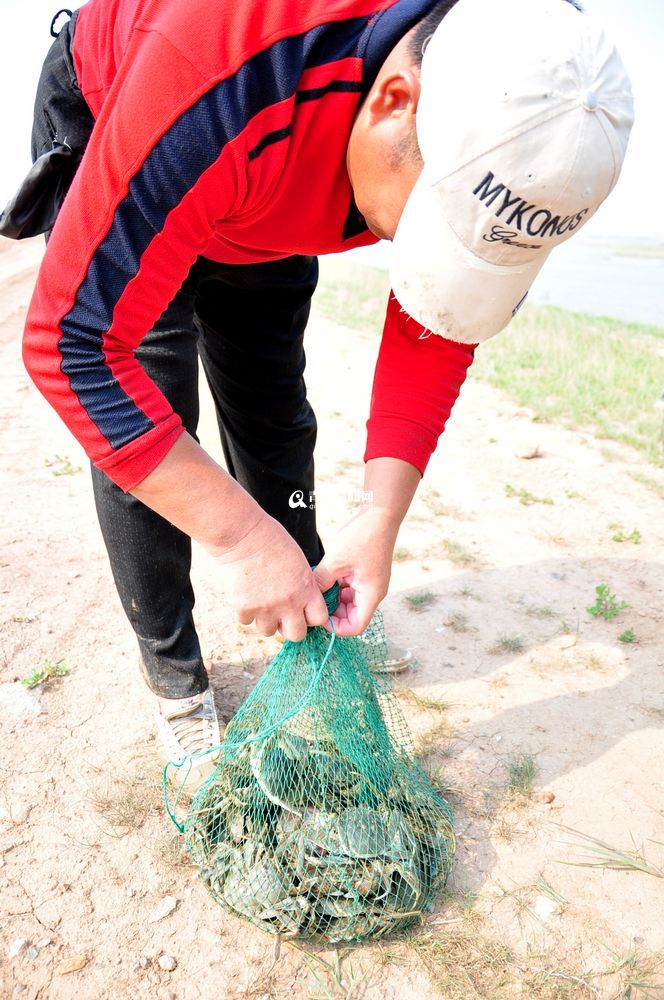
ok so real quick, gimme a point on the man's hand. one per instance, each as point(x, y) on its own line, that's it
point(267, 579)
point(265, 575)
point(360, 557)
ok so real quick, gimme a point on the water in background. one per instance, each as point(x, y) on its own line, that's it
point(594, 279)
point(586, 277)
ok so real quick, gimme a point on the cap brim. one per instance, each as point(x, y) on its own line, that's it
point(442, 284)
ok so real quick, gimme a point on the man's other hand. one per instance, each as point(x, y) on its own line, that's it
point(360, 559)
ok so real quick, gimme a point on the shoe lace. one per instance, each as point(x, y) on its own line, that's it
point(194, 732)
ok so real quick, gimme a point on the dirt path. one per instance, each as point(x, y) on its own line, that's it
point(505, 642)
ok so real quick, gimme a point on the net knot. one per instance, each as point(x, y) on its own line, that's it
point(331, 597)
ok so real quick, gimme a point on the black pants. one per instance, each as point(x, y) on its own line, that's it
point(247, 324)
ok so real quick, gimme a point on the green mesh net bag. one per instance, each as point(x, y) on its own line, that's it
point(318, 821)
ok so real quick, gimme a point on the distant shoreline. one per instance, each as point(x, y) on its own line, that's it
point(622, 279)
point(630, 248)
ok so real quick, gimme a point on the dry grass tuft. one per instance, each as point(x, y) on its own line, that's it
point(457, 621)
point(461, 963)
point(599, 854)
point(169, 852)
point(535, 611)
point(434, 742)
point(521, 775)
point(423, 700)
point(457, 554)
point(507, 644)
point(641, 974)
point(127, 800)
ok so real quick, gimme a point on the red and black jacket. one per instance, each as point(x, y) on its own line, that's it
point(221, 130)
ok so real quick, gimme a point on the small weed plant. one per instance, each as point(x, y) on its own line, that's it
point(607, 604)
point(45, 673)
point(61, 466)
point(525, 497)
point(620, 536)
point(627, 636)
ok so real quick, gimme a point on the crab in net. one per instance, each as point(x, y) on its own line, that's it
point(296, 837)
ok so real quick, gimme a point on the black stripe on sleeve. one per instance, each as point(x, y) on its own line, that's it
point(268, 140)
point(335, 86)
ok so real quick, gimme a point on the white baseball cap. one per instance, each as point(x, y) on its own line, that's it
point(523, 120)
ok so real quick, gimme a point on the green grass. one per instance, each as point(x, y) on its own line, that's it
point(547, 890)
point(420, 601)
point(127, 798)
point(353, 295)
point(463, 963)
point(582, 371)
point(642, 975)
point(521, 775)
point(598, 374)
point(648, 481)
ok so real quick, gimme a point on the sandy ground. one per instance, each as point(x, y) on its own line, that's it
point(510, 663)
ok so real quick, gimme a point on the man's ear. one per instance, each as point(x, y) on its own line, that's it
point(394, 95)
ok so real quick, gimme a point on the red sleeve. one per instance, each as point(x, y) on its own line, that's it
point(159, 168)
point(417, 380)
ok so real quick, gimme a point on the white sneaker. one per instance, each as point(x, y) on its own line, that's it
point(397, 659)
point(189, 726)
point(385, 657)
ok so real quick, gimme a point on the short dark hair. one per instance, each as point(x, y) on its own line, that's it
point(425, 28)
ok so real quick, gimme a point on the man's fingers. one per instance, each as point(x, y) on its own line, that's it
point(344, 627)
point(316, 612)
point(352, 618)
point(293, 627)
point(266, 624)
point(324, 576)
point(363, 609)
point(341, 613)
